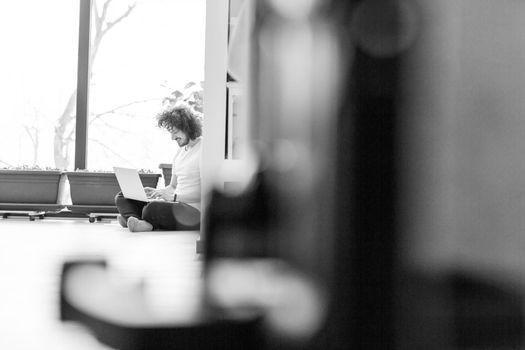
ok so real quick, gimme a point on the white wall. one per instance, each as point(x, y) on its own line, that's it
point(215, 65)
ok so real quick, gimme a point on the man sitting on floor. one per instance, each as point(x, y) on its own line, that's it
point(178, 205)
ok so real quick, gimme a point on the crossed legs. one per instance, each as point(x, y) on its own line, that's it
point(157, 215)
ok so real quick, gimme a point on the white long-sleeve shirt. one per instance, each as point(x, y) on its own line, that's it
point(186, 174)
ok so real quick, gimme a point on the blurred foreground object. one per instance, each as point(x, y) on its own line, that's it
point(121, 315)
point(387, 207)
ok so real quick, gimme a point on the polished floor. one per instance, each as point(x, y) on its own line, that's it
point(31, 257)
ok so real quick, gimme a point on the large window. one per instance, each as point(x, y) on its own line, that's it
point(141, 53)
point(155, 48)
point(38, 70)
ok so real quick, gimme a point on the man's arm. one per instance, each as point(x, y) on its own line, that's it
point(190, 196)
point(173, 181)
point(167, 193)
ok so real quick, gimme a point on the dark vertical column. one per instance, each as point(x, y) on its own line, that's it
point(372, 199)
point(363, 298)
point(82, 85)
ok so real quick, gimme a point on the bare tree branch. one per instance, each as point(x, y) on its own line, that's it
point(110, 25)
point(32, 132)
point(116, 109)
point(95, 9)
point(60, 144)
point(105, 10)
point(63, 135)
point(108, 149)
point(116, 128)
point(29, 130)
point(99, 22)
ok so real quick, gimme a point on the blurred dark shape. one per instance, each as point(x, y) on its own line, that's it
point(210, 332)
point(364, 234)
point(67, 311)
point(457, 309)
point(238, 225)
point(487, 314)
point(385, 28)
point(245, 272)
point(425, 314)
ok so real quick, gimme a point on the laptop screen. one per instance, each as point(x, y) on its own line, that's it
point(130, 184)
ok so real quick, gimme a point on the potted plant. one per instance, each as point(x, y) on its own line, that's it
point(96, 190)
point(31, 188)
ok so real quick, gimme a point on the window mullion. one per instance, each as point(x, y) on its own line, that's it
point(82, 85)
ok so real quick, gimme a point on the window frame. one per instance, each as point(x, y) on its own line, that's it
point(82, 112)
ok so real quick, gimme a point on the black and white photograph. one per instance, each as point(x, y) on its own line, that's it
point(262, 175)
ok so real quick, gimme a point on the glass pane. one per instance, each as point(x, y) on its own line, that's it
point(155, 48)
point(38, 70)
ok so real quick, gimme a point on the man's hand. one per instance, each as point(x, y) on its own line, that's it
point(165, 194)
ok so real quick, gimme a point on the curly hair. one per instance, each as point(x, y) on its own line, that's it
point(181, 118)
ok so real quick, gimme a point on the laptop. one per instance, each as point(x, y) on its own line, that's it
point(130, 184)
